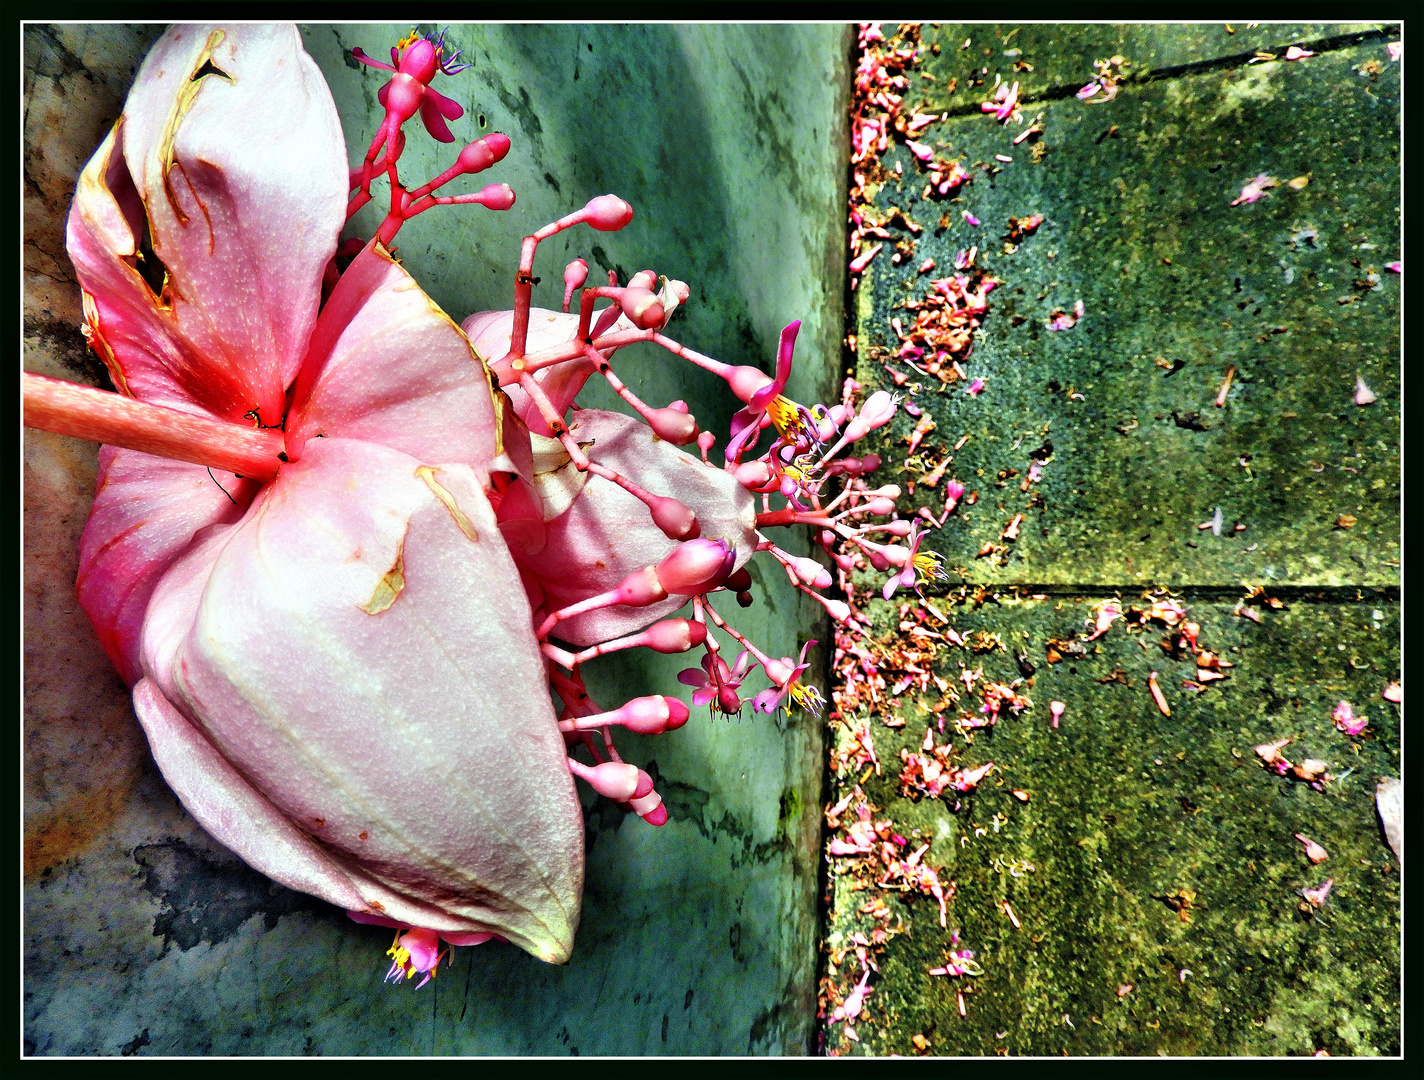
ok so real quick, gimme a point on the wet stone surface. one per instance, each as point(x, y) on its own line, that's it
point(1178, 288)
point(1148, 859)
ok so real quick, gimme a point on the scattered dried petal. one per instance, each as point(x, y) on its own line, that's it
point(1313, 851)
point(1157, 695)
point(1363, 394)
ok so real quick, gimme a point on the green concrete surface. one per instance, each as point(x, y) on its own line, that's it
point(1128, 806)
point(144, 937)
point(1139, 228)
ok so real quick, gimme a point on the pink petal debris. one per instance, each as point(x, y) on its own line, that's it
point(1396, 267)
point(975, 387)
point(1002, 157)
point(1346, 720)
point(1363, 394)
point(1396, 50)
point(1157, 695)
point(970, 218)
point(1088, 91)
point(1313, 851)
point(1316, 897)
point(1394, 692)
point(1056, 708)
point(860, 262)
point(920, 150)
point(1254, 189)
point(1296, 53)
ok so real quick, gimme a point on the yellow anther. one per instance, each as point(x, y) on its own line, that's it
point(786, 415)
point(411, 39)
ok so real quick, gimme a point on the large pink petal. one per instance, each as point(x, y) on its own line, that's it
point(608, 534)
point(387, 366)
point(367, 666)
point(234, 146)
point(146, 510)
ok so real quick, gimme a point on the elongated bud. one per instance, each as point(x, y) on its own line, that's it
point(652, 716)
point(495, 197)
point(575, 274)
point(642, 308)
point(674, 518)
point(641, 588)
point(878, 507)
point(608, 213)
point(746, 381)
point(482, 153)
point(646, 802)
point(753, 474)
point(673, 425)
point(674, 635)
point(897, 528)
point(696, 566)
point(810, 571)
point(616, 780)
point(839, 609)
point(643, 279)
point(679, 290)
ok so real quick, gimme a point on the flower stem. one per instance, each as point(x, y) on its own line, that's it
point(104, 416)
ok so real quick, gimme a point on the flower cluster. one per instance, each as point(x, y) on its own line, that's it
point(327, 507)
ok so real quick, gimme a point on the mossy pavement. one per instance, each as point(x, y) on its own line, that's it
point(1129, 809)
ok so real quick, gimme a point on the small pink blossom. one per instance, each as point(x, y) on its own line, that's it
point(723, 687)
point(1346, 720)
point(1316, 897)
point(1313, 851)
point(1254, 189)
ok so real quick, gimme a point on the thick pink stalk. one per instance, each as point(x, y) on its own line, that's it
point(106, 417)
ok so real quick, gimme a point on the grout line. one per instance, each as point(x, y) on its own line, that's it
point(1330, 594)
point(1199, 67)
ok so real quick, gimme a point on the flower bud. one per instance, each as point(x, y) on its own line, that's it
point(674, 635)
point(495, 197)
point(482, 153)
point(696, 566)
point(675, 519)
point(642, 308)
point(869, 463)
point(616, 780)
point(608, 213)
point(575, 274)
point(641, 588)
point(746, 381)
point(650, 716)
point(752, 474)
point(673, 425)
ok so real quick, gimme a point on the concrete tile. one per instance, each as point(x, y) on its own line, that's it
point(1139, 227)
point(1127, 806)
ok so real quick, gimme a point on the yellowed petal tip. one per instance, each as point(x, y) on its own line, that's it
point(1299, 182)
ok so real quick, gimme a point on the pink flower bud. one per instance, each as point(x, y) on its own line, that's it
point(680, 290)
point(1056, 708)
point(403, 95)
point(876, 413)
point(674, 635)
point(608, 213)
point(746, 381)
point(673, 425)
point(879, 507)
point(696, 567)
point(810, 572)
point(495, 197)
point(616, 780)
point(482, 153)
point(676, 521)
point(953, 491)
point(575, 274)
point(839, 609)
point(869, 463)
point(642, 308)
point(650, 716)
point(641, 588)
point(706, 441)
point(898, 528)
point(754, 475)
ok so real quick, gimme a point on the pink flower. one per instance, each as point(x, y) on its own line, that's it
point(721, 687)
point(260, 620)
point(1346, 720)
point(785, 675)
point(1254, 189)
point(416, 61)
